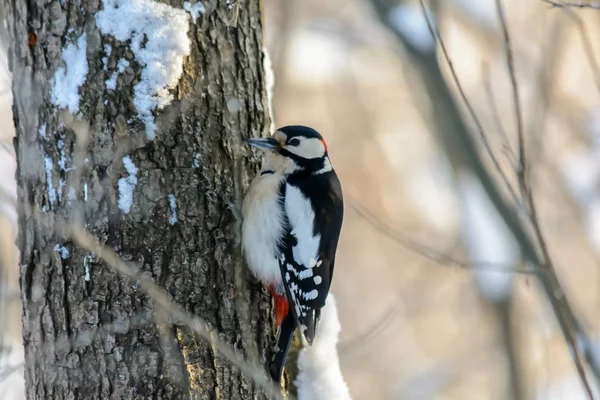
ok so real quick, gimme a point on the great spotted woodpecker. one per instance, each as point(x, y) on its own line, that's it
point(293, 215)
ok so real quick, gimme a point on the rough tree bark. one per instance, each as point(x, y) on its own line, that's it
point(88, 332)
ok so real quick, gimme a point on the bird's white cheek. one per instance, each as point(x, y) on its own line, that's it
point(309, 148)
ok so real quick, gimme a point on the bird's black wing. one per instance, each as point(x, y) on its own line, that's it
point(307, 276)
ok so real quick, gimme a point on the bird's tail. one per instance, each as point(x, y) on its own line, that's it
point(286, 334)
point(312, 323)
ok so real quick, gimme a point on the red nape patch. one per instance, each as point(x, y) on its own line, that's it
point(281, 306)
point(324, 144)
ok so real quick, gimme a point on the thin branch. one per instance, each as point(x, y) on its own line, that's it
point(161, 299)
point(425, 250)
point(8, 370)
point(571, 330)
point(587, 44)
point(544, 86)
point(573, 334)
point(574, 4)
point(463, 154)
point(491, 99)
point(510, 64)
point(362, 339)
point(438, 38)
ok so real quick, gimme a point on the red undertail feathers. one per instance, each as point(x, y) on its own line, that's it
point(281, 306)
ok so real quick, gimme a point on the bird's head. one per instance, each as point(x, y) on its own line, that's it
point(295, 148)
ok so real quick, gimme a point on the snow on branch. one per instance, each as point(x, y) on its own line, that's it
point(319, 375)
point(159, 41)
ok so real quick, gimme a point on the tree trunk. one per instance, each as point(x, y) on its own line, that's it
point(152, 182)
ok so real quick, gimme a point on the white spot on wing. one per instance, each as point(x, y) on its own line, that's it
point(301, 217)
point(318, 280)
point(306, 273)
point(313, 294)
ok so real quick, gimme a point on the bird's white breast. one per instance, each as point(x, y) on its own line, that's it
point(262, 228)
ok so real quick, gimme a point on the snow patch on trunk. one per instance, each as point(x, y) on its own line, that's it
point(159, 41)
point(173, 205)
point(67, 80)
point(127, 185)
point(49, 166)
point(111, 83)
point(195, 10)
point(64, 252)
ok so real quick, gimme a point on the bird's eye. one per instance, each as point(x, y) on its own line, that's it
point(294, 142)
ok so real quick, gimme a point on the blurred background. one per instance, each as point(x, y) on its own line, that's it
point(433, 299)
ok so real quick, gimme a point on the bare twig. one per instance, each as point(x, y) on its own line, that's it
point(161, 299)
point(463, 154)
point(587, 44)
point(510, 64)
point(563, 310)
point(6, 371)
point(572, 331)
point(491, 99)
point(436, 34)
point(362, 339)
point(544, 86)
point(574, 4)
point(425, 250)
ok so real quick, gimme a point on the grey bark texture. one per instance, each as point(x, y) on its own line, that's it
point(88, 332)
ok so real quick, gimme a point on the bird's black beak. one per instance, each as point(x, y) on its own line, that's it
point(264, 143)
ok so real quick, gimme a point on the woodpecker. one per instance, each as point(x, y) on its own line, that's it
point(292, 218)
